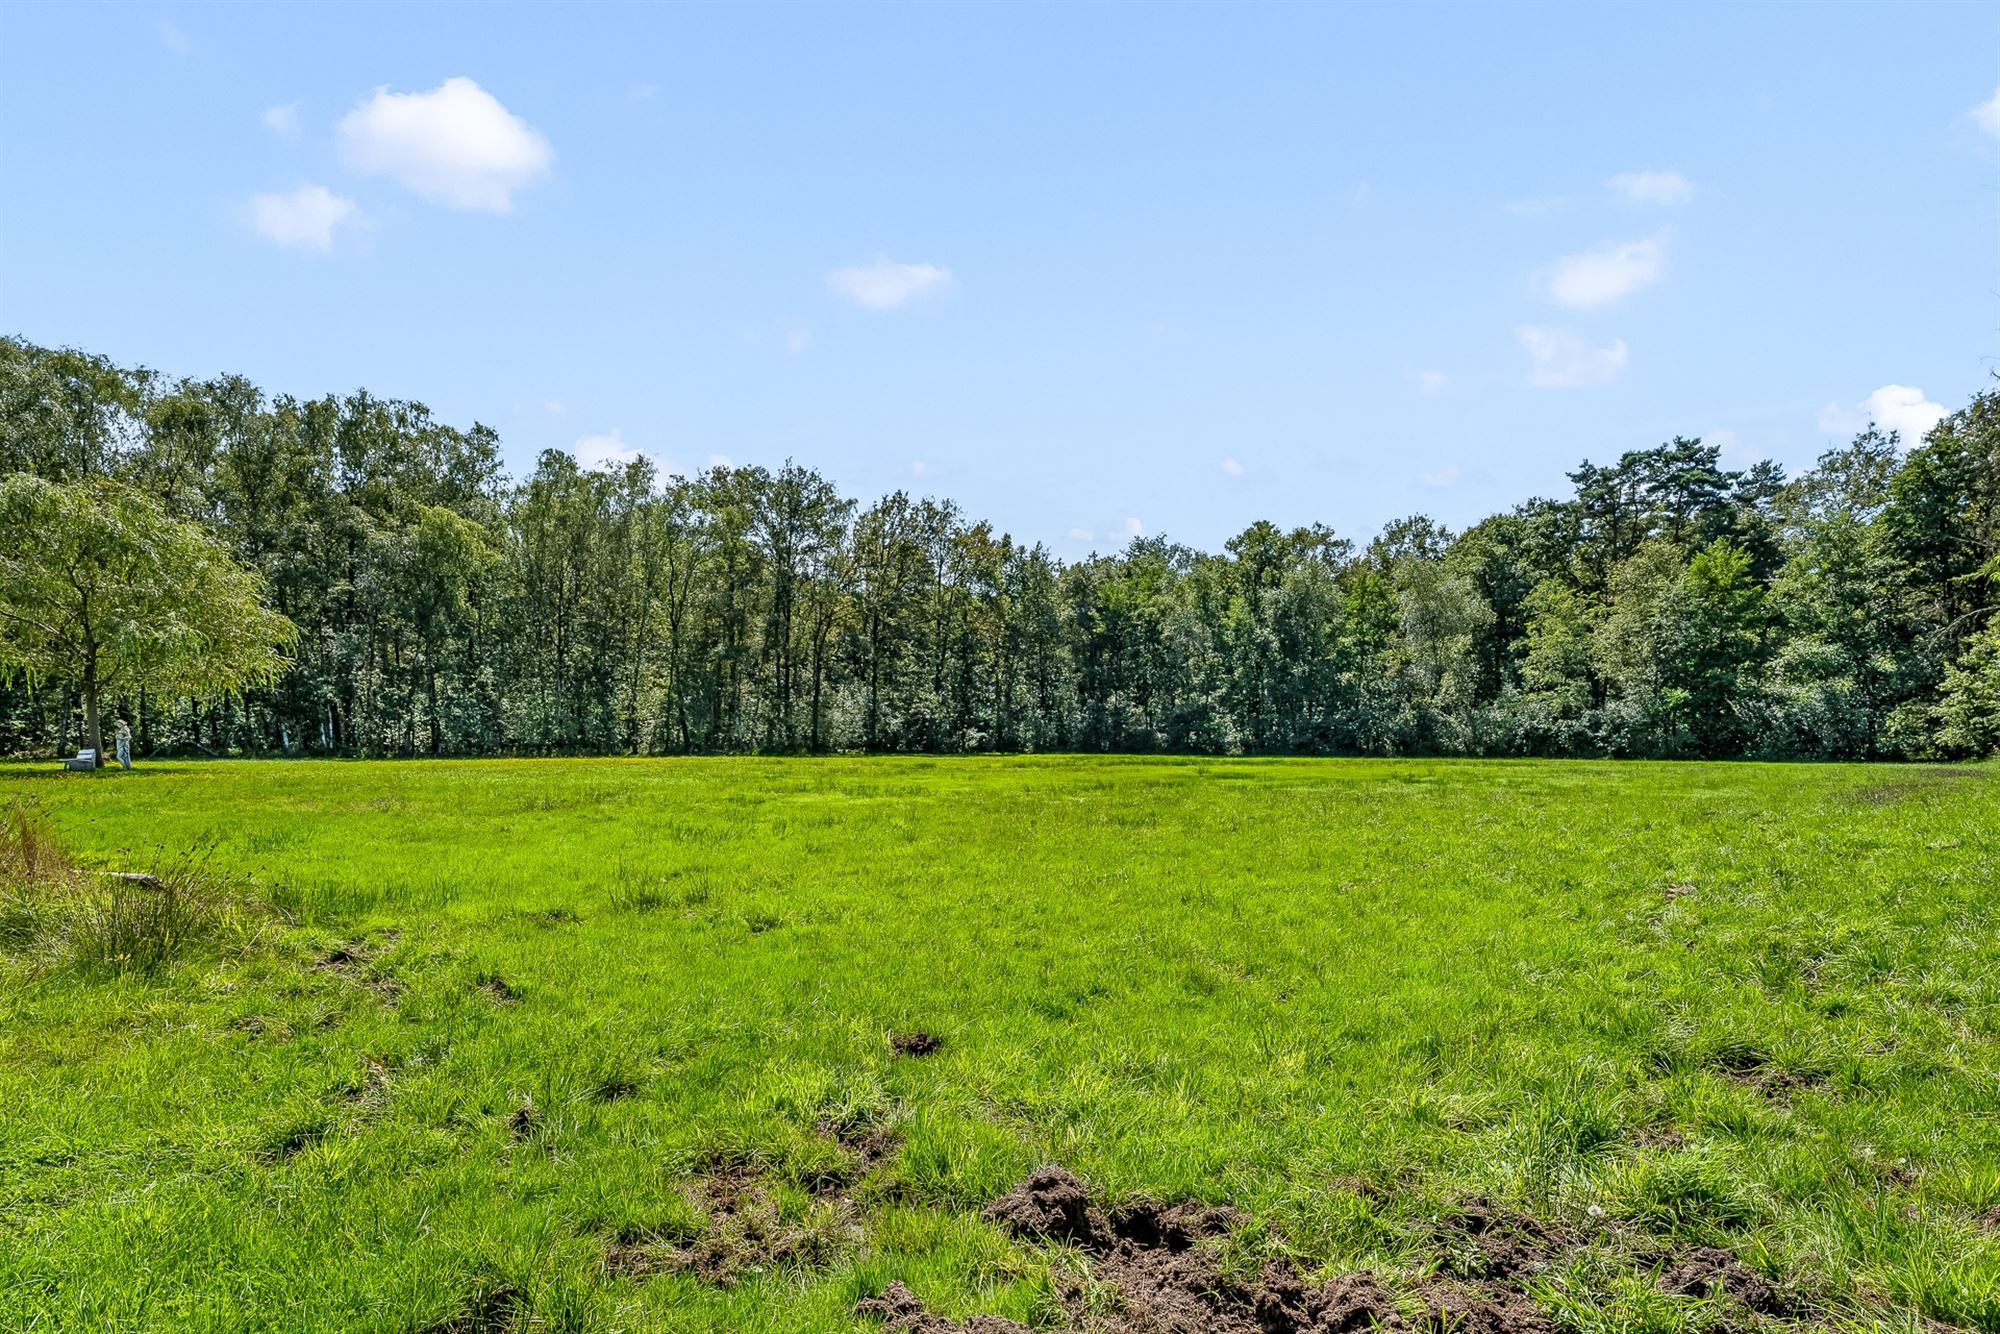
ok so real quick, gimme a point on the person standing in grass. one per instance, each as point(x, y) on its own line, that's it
point(123, 740)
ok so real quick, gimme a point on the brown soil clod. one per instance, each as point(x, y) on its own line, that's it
point(919, 1043)
point(1049, 1204)
point(1484, 1308)
point(498, 990)
point(1503, 1244)
point(1709, 1270)
point(904, 1312)
point(744, 1233)
point(524, 1120)
point(870, 1145)
point(1168, 1282)
point(1757, 1070)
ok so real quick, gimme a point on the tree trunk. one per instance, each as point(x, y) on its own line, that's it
point(92, 732)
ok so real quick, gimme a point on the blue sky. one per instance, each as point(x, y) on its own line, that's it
point(1086, 270)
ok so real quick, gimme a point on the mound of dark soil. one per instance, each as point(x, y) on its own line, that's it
point(1502, 1243)
point(1709, 1270)
point(745, 1233)
point(901, 1310)
point(919, 1043)
point(1169, 1283)
point(869, 1146)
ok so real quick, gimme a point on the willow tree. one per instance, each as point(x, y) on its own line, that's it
point(103, 591)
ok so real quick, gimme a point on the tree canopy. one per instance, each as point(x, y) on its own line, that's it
point(1666, 606)
point(104, 592)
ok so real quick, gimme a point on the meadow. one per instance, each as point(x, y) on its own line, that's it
point(735, 1044)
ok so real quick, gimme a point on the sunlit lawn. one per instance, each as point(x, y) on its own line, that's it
point(1747, 1005)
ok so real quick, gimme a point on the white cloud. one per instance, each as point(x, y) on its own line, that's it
point(1653, 187)
point(554, 407)
point(1232, 467)
point(1082, 535)
point(1558, 359)
point(799, 340)
point(1987, 114)
point(721, 461)
point(455, 145)
point(1133, 528)
point(282, 121)
point(1432, 383)
point(1606, 273)
point(886, 284)
point(1533, 208)
point(1900, 408)
point(172, 38)
point(305, 219)
point(606, 451)
point(918, 468)
point(1441, 478)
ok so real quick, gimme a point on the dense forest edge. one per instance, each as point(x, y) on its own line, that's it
point(1668, 607)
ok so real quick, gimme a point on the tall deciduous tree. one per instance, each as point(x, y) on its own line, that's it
point(102, 590)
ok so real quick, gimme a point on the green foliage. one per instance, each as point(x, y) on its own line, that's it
point(1667, 606)
point(101, 590)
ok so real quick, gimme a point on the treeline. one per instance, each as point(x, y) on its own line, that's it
point(1667, 607)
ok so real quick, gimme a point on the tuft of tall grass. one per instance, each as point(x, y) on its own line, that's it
point(59, 914)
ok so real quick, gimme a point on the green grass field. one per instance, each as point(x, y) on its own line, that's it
point(509, 1024)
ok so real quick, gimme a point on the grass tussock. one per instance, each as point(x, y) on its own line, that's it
point(55, 913)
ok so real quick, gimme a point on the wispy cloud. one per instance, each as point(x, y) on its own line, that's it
point(455, 145)
point(1558, 359)
point(1652, 187)
point(1441, 479)
point(1232, 467)
point(1987, 115)
point(172, 38)
point(282, 121)
point(1901, 408)
point(305, 219)
point(609, 450)
point(1133, 528)
point(886, 284)
point(1432, 383)
point(1601, 276)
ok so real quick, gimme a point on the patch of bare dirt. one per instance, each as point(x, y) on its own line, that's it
point(524, 1120)
point(919, 1043)
point(743, 1232)
point(1168, 1282)
point(1709, 1271)
point(1754, 1069)
point(868, 1147)
point(1483, 1308)
point(498, 990)
point(1489, 1242)
point(903, 1311)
